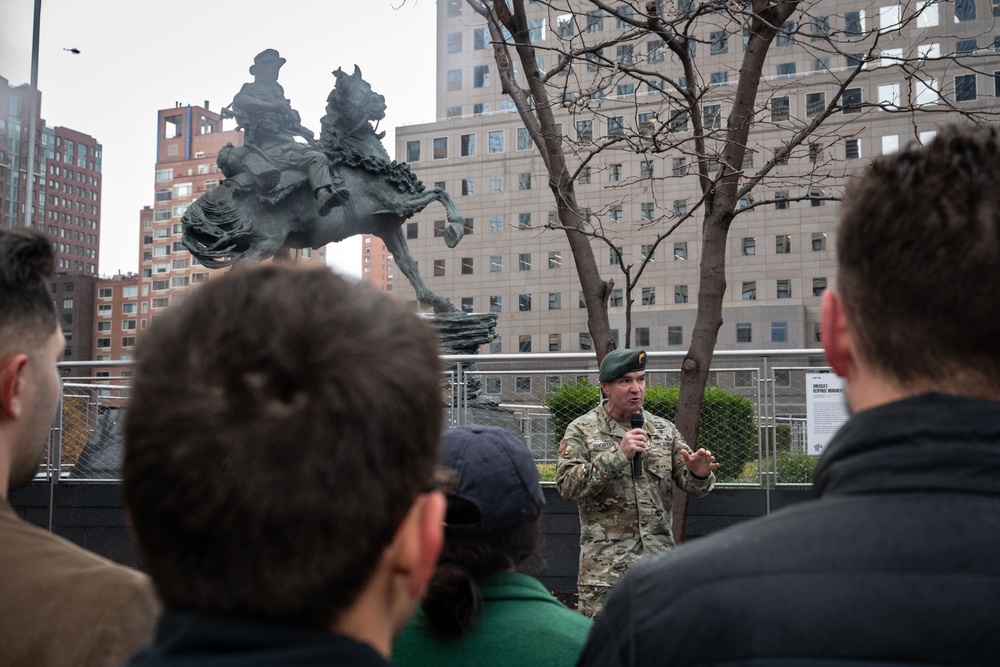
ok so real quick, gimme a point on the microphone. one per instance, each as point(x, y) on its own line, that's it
point(637, 422)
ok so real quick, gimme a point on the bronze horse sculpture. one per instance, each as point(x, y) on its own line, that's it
point(260, 211)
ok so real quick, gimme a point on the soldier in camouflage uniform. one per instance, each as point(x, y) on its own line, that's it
point(623, 517)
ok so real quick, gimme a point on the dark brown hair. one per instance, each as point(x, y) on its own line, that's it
point(282, 421)
point(27, 312)
point(919, 253)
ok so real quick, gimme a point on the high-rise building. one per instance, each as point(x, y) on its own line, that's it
point(377, 266)
point(66, 195)
point(781, 254)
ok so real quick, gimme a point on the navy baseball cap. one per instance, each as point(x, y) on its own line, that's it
point(496, 475)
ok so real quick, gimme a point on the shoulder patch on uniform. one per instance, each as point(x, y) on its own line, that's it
point(562, 444)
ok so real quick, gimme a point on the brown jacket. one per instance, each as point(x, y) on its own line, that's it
point(63, 606)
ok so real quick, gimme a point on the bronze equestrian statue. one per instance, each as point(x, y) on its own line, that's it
point(280, 194)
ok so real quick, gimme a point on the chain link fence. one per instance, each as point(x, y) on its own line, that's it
point(754, 418)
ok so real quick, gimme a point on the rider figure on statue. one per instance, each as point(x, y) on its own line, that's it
point(271, 125)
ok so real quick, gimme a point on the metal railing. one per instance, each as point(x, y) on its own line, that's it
point(85, 444)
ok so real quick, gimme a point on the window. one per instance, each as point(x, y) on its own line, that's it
point(524, 221)
point(785, 69)
point(679, 166)
point(815, 104)
point(965, 10)
point(586, 343)
point(888, 18)
point(616, 126)
point(927, 14)
point(524, 261)
point(104, 310)
point(413, 151)
point(555, 342)
point(496, 184)
point(654, 51)
point(496, 304)
point(104, 326)
point(678, 121)
point(439, 267)
point(468, 266)
point(524, 303)
point(779, 332)
point(750, 291)
point(522, 383)
point(481, 76)
point(496, 141)
point(583, 178)
point(454, 77)
point(440, 150)
point(642, 336)
point(818, 241)
point(524, 142)
point(496, 224)
point(625, 54)
point(411, 230)
point(179, 281)
point(648, 252)
point(467, 145)
point(454, 42)
point(786, 35)
point(536, 30)
point(614, 173)
point(617, 298)
point(480, 38)
point(493, 384)
point(647, 211)
point(626, 90)
point(749, 246)
point(783, 244)
point(555, 259)
point(926, 92)
point(438, 228)
point(888, 95)
point(713, 116)
point(675, 335)
point(680, 207)
point(851, 101)
point(468, 187)
point(744, 332)
point(819, 286)
point(785, 289)
point(595, 21)
point(649, 296)
point(965, 47)
point(779, 108)
point(524, 181)
point(719, 42)
point(680, 251)
point(467, 304)
point(584, 130)
point(820, 28)
point(854, 23)
point(128, 325)
point(965, 85)
point(496, 346)
point(67, 304)
point(852, 149)
point(103, 342)
point(555, 300)
point(496, 263)
point(890, 144)
point(680, 293)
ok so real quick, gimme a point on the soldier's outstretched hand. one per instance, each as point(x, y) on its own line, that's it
point(701, 463)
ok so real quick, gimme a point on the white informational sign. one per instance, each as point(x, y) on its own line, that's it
point(826, 409)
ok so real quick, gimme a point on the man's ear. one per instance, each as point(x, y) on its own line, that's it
point(837, 341)
point(423, 531)
point(12, 385)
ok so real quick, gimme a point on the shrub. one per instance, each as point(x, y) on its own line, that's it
point(728, 427)
point(793, 468)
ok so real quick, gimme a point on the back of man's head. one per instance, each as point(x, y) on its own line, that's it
point(27, 312)
point(281, 424)
point(919, 254)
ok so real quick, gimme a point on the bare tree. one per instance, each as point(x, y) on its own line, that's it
point(929, 62)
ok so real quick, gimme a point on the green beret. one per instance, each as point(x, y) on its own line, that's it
point(619, 362)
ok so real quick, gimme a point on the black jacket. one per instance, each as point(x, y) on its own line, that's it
point(897, 561)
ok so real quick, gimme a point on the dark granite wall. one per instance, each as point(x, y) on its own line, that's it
point(92, 515)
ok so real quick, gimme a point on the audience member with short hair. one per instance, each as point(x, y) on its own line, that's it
point(898, 559)
point(478, 610)
point(60, 604)
point(281, 444)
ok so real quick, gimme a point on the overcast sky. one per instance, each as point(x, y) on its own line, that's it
point(138, 57)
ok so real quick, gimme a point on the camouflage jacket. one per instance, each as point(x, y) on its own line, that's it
point(622, 518)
